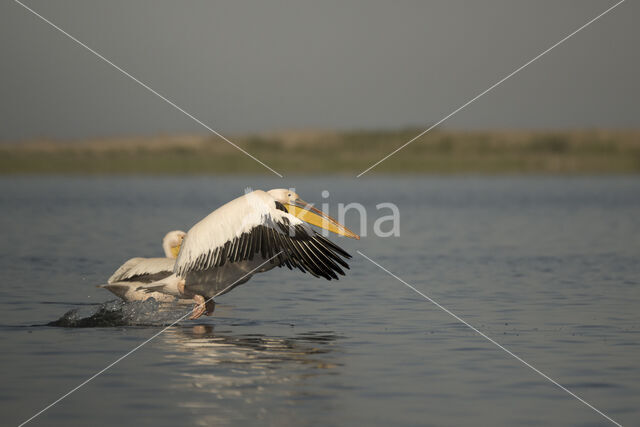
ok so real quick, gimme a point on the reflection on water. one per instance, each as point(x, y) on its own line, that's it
point(216, 368)
point(206, 348)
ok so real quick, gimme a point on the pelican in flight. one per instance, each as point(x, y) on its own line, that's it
point(137, 272)
point(253, 234)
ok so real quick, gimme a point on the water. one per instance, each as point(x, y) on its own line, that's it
point(549, 267)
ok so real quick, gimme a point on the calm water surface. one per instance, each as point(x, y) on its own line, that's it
point(549, 267)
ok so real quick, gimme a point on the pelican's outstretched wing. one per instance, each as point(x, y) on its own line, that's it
point(257, 226)
point(145, 270)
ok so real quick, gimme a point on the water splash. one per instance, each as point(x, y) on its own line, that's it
point(121, 313)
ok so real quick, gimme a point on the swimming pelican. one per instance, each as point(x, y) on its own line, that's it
point(221, 251)
point(136, 272)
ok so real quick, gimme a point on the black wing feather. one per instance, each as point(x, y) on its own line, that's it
point(293, 247)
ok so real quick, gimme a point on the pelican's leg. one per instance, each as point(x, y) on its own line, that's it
point(181, 289)
point(200, 308)
point(210, 306)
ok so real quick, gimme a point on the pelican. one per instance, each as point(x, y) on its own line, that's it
point(253, 234)
point(136, 272)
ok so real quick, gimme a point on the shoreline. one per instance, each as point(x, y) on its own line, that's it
point(440, 152)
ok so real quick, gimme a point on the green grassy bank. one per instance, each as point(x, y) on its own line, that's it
point(440, 152)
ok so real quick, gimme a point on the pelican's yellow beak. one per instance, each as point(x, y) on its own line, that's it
point(175, 250)
point(313, 216)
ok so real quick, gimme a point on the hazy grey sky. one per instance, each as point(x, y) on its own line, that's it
point(253, 66)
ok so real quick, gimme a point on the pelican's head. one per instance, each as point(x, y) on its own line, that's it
point(303, 210)
point(172, 242)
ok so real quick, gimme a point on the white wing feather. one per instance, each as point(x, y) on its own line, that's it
point(142, 266)
point(229, 222)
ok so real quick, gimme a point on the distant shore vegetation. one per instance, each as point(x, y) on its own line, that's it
point(348, 152)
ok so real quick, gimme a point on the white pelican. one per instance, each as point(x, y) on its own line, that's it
point(221, 251)
point(136, 272)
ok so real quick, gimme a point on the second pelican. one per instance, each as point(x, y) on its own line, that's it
point(136, 272)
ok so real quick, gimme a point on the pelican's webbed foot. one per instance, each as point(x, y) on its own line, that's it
point(203, 306)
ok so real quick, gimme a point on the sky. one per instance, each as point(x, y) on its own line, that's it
point(243, 67)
